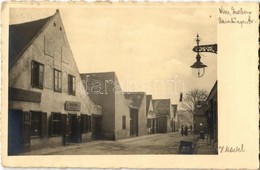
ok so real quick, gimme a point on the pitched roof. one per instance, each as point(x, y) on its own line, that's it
point(135, 98)
point(21, 35)
point(162, 106)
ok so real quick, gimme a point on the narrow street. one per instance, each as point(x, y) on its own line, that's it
point(148, 144)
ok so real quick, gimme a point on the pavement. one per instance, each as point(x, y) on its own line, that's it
point(204, 147)
point(147, 144)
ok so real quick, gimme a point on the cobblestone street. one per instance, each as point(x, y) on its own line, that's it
point(148, 144)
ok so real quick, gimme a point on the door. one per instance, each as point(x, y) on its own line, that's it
point(153, 126)
point(65, 128)
point(97, 127)
point(73, 127)
point(15, 125)
point(75, 130)
point(133, 122)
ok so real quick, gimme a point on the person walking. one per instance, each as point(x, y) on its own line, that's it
point(186, 130)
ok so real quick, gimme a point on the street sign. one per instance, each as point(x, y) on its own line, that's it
point(211, 48)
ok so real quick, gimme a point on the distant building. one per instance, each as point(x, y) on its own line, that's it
point(150, 114)
point(163, 115)
point(200, 117)
point(138, 120)
point(184, 118)
point(104, 89)
point(46, 106)
point(175, 118)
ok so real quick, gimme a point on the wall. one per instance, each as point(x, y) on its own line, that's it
point(142, 119)
point(50, 48)
point(121, 109)
point(100, 88)
point(162, 124)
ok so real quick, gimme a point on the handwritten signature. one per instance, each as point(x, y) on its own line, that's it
point(230, 149)
point(234, 15)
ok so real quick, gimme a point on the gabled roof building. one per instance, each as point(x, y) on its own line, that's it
point(163, 113)
point(138, 120)
point(104, 89)
point(46, 106)
point(150, 114)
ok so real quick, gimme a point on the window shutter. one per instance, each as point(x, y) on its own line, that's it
point(63, 123)
point(82, 123)
point(88, 123)
point(51, 124)
point(26, 131)
point(43, 124)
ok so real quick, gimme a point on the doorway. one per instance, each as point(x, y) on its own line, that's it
point(75, 131)
point(133, 122)
point(19, 129)
point(97, 127)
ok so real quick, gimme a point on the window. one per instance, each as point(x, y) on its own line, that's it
point(55, 124)
point(37, 75)
point(123, 122)
point(38, 124)
point(71, 85)
point(57, 80)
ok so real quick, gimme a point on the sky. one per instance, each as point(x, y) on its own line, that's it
point(149, 48)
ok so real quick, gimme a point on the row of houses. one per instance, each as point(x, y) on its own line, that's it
point(51, 103)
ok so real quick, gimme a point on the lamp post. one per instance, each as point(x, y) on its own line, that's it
point(198, 67)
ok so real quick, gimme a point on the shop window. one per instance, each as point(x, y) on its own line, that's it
point(37, 70)
point(71, 85)
point(123, 122)
point(57, 80)
point(38, 124)
point(55, 124)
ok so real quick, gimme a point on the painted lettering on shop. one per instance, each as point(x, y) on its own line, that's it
point(24, 95)
point(72, 106)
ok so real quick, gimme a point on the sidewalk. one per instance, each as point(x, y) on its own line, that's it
point(203, 147)
point(71, 146)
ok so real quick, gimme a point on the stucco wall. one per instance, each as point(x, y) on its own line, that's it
point(121, 109)
point(50, 48)
point(142, 119)
point(100, 89)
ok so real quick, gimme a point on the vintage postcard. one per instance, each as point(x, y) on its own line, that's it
point(130, 85)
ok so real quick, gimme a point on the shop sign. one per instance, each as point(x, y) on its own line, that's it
point(72, 106)
point(24, 95)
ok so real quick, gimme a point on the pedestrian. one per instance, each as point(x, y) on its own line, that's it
point(182, 130)
point(186, 130)
point(190, 128)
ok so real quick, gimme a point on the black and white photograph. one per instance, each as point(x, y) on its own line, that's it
point(102, 81)
point(131, 82)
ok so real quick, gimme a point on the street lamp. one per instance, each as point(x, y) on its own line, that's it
point(198, 68)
